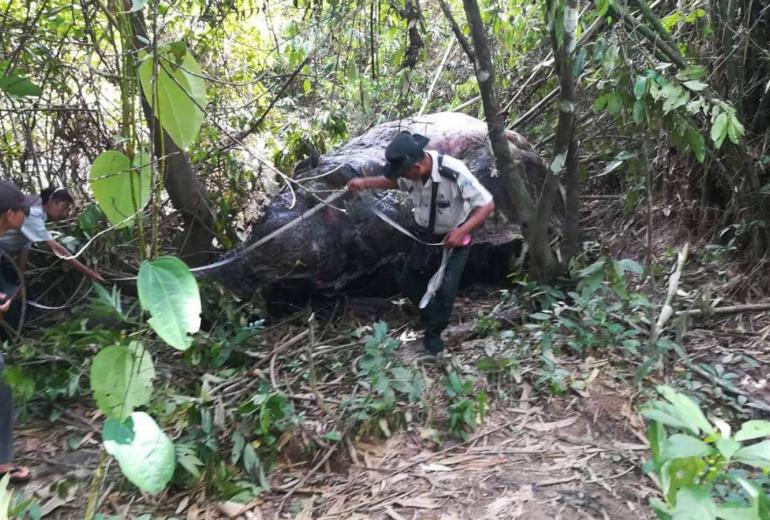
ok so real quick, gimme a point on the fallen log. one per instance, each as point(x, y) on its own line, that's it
point(346, 242)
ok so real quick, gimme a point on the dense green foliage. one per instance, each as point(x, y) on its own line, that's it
point(702, 462)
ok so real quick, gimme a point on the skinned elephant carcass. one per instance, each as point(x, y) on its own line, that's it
point(346, 241)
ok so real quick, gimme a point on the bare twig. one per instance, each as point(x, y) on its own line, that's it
point(535, 109)
point(727, 309)
point(311, 375)
point(752, 403)
point(291, 342)
point(464, 43)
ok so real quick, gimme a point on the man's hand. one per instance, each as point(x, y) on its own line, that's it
point(456, 238)
point(6, 304)
point(356, 184)
point(373, 183)
point(461, 236)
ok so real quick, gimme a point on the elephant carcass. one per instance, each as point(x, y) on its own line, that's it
point(346, 242)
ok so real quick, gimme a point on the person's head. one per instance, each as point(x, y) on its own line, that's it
point(406, 157)
point(14, 206)
point(57, 203)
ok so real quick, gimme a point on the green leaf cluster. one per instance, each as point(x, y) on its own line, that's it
point(466, 407)
point(122, 375)
point(688, 464)
point(387, 380)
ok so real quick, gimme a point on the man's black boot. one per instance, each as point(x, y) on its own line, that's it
point(433, 344)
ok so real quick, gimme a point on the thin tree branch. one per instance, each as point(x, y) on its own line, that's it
point(458, 32)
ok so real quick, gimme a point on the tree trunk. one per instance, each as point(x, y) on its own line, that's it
point(571, 204)
point(565, 147)
point(187, 193)
point(544, 264)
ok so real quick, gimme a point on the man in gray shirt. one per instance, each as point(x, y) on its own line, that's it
point(54, 204)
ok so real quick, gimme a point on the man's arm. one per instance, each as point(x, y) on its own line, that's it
point(61, 251)
point(373, 183)
point(479, 214)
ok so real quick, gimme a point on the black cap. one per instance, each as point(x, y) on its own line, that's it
point(403, 151)
point(11, 197)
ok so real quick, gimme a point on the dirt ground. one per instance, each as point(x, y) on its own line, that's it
point(577, 455)
point(568, 458)
point(525, 463)
point(573, 456)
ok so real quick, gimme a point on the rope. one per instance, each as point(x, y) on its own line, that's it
point(309, 213)
point(70, 303)
point(433, 285)
point(398, 227)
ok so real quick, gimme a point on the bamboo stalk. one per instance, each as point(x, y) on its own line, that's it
point(466, 104)
point(649, 34)
point(464, 43)
point(650, 16)
point(96, 485)
point(435, 78)
point(535, 109)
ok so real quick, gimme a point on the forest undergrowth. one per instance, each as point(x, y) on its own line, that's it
point(263, 412)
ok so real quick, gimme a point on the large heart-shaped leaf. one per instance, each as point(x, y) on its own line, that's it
point(17, 85)
point(121, 379)
point(114, 180)
point(680, 446)
point(181, 93)
point(753, 430)
point(693, 503)
point(145, 454)
point(757, 455)
point(169, 291)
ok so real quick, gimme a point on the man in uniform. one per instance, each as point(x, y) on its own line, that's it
point(449, 203)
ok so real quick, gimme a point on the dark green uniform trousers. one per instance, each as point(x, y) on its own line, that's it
point(435, 316)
